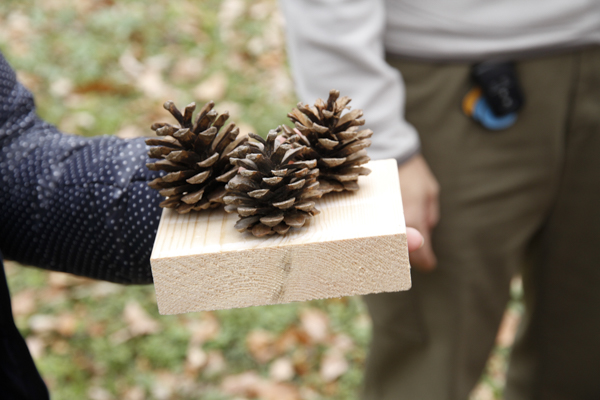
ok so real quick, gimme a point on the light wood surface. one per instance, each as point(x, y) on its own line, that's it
point(356, 245)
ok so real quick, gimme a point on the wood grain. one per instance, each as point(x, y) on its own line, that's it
point(357, 245)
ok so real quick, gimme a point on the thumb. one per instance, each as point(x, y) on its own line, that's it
point(414, 238)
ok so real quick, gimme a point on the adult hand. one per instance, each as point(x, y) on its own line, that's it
point(420, 198)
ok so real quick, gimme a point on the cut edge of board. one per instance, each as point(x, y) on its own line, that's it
point(282, 275)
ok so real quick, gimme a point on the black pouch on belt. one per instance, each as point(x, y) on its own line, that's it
point(500, 86)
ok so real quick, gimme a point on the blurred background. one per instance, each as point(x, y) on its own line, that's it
point(106, 67)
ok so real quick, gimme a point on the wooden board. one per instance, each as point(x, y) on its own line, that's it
point(356, 245)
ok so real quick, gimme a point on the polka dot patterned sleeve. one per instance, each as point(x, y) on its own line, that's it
point(72, 204)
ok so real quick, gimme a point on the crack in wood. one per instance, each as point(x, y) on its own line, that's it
point(286, 266)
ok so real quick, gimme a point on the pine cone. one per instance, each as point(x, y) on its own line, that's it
point(334, 140)
point(272, 191)
point(194, 155)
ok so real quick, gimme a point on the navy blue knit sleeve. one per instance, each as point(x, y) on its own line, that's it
point(72, 204)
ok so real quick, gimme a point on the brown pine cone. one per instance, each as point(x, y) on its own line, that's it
point(334, 140)
point(272, 190)
point(194, 155)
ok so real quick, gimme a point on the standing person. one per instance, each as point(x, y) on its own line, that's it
point(67, 204)
point(493, 203)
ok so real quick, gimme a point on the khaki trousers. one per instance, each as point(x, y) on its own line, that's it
point(526, 199)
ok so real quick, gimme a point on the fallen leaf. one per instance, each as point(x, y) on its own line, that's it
point(342, 343)
point(236, 61)
point(234, 110)
point(142, 364)
point(363, 322)
point(100, 86)
point(482, 392)
point(260, 10)
point(316, 324)
point(147, 76)
point(60, 347)
point(77, 120)
point(213, 88)
point(29, 80)
point(66, 324)
point(134, 393)
point(333, 365)
point(206, 329)
point(307, 393)
point(120, 336)
point(250, 384)
point(196, 358)
point(302, 364)
point(130, 64)
point(164, 386)
point(152, 84)
point(97, 290)
point(52, 295)
point(330, 389)
point(138, 320)
point(281, 369)
point(61, 280)
point(279, 391)
point(95, 329)
point(229, 13)
point(215, 364)
point(287, 340)
point(496, 369)
point(23, 303)
point(36, 346)
point(18, 24)
point(186, 70)
point(130, 132)
point(273, 32)
point(508, 328)
point(41, 323)
point(261, 345)
point(256, 45)
point(11, 267)
point(98, 393)
point(61, 87)
point(280, 83)
point(15, 29)
point(244, 384)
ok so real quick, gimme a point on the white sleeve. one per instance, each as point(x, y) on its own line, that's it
point(338, 44)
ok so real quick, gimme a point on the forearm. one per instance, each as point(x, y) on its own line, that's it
point(69, 203)
point(339, 45)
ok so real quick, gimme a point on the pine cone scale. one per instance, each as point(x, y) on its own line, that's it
point(198, 178)
point(208, 162)
point(177, 176)
point(295, 220)
point(193, 198)
point(224, 178)
point(259, 194)
point(285, 204)
point(245, 223)
point(296, 185)
point(272, 220)
point(165, 165)
point(167, 141)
